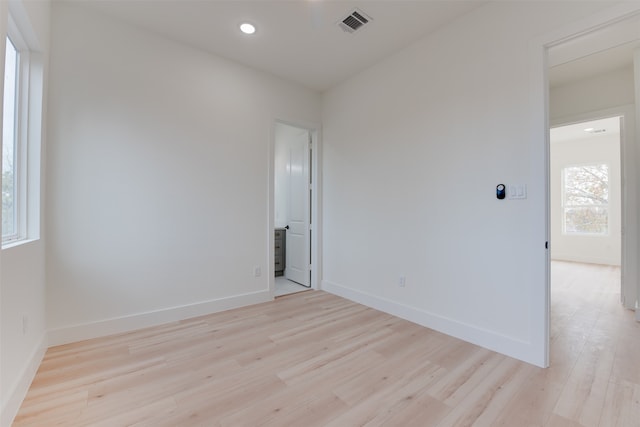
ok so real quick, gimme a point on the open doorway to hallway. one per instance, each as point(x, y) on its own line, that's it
point(595, 75)
point(592, 192)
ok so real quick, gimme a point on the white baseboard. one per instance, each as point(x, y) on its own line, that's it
point(19, 390)
point(585, 260)
point(69, 334)
point(508, 346)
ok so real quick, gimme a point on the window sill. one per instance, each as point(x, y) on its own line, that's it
point(14, 243)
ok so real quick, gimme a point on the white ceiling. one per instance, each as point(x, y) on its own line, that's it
point(297, 40)
point(592, 65)
point(576, 131)
point(597, 52)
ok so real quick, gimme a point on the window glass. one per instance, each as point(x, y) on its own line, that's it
point(586, 199)
point(9, 145)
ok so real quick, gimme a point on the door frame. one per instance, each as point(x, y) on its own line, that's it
point(315, 164)
point(539, 94)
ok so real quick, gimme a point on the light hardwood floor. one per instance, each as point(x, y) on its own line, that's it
point(314, 359)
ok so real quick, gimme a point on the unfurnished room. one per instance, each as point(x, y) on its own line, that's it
point(320, 213)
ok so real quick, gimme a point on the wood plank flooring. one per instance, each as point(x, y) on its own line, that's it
point(314, 359)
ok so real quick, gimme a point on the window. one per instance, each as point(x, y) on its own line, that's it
point(10, 146)
point(21, 134)
point(586, 199)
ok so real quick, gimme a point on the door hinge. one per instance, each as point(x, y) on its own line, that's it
point(546, 245)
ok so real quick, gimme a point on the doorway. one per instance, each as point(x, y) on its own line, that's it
point(586, 197)
point(586, 222)
point(292, 208)
point(592, 87)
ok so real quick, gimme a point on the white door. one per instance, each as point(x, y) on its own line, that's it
point(297, 265)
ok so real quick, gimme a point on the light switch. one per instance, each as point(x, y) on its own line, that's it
point(517, 191)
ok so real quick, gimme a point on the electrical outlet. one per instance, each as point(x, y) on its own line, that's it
point(25, 324)
point(257, 271)
point(402, 281)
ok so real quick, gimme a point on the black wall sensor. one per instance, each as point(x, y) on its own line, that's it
point(500, 191)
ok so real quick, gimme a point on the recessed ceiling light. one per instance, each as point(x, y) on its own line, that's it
point(247, 28)
point(594, 130)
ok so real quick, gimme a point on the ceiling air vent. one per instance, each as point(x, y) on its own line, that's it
point(354, 21)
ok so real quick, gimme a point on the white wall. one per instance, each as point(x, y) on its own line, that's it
point(591, 149)
point(22, 273)
point(413, 150)
point(597, 93)
point(23, 294)
point(158, 177)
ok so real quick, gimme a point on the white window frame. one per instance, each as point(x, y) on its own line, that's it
point(28, 136)
point(565, 206)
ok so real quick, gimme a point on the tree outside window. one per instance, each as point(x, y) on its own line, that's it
point(9, 145)
point(586, 199)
